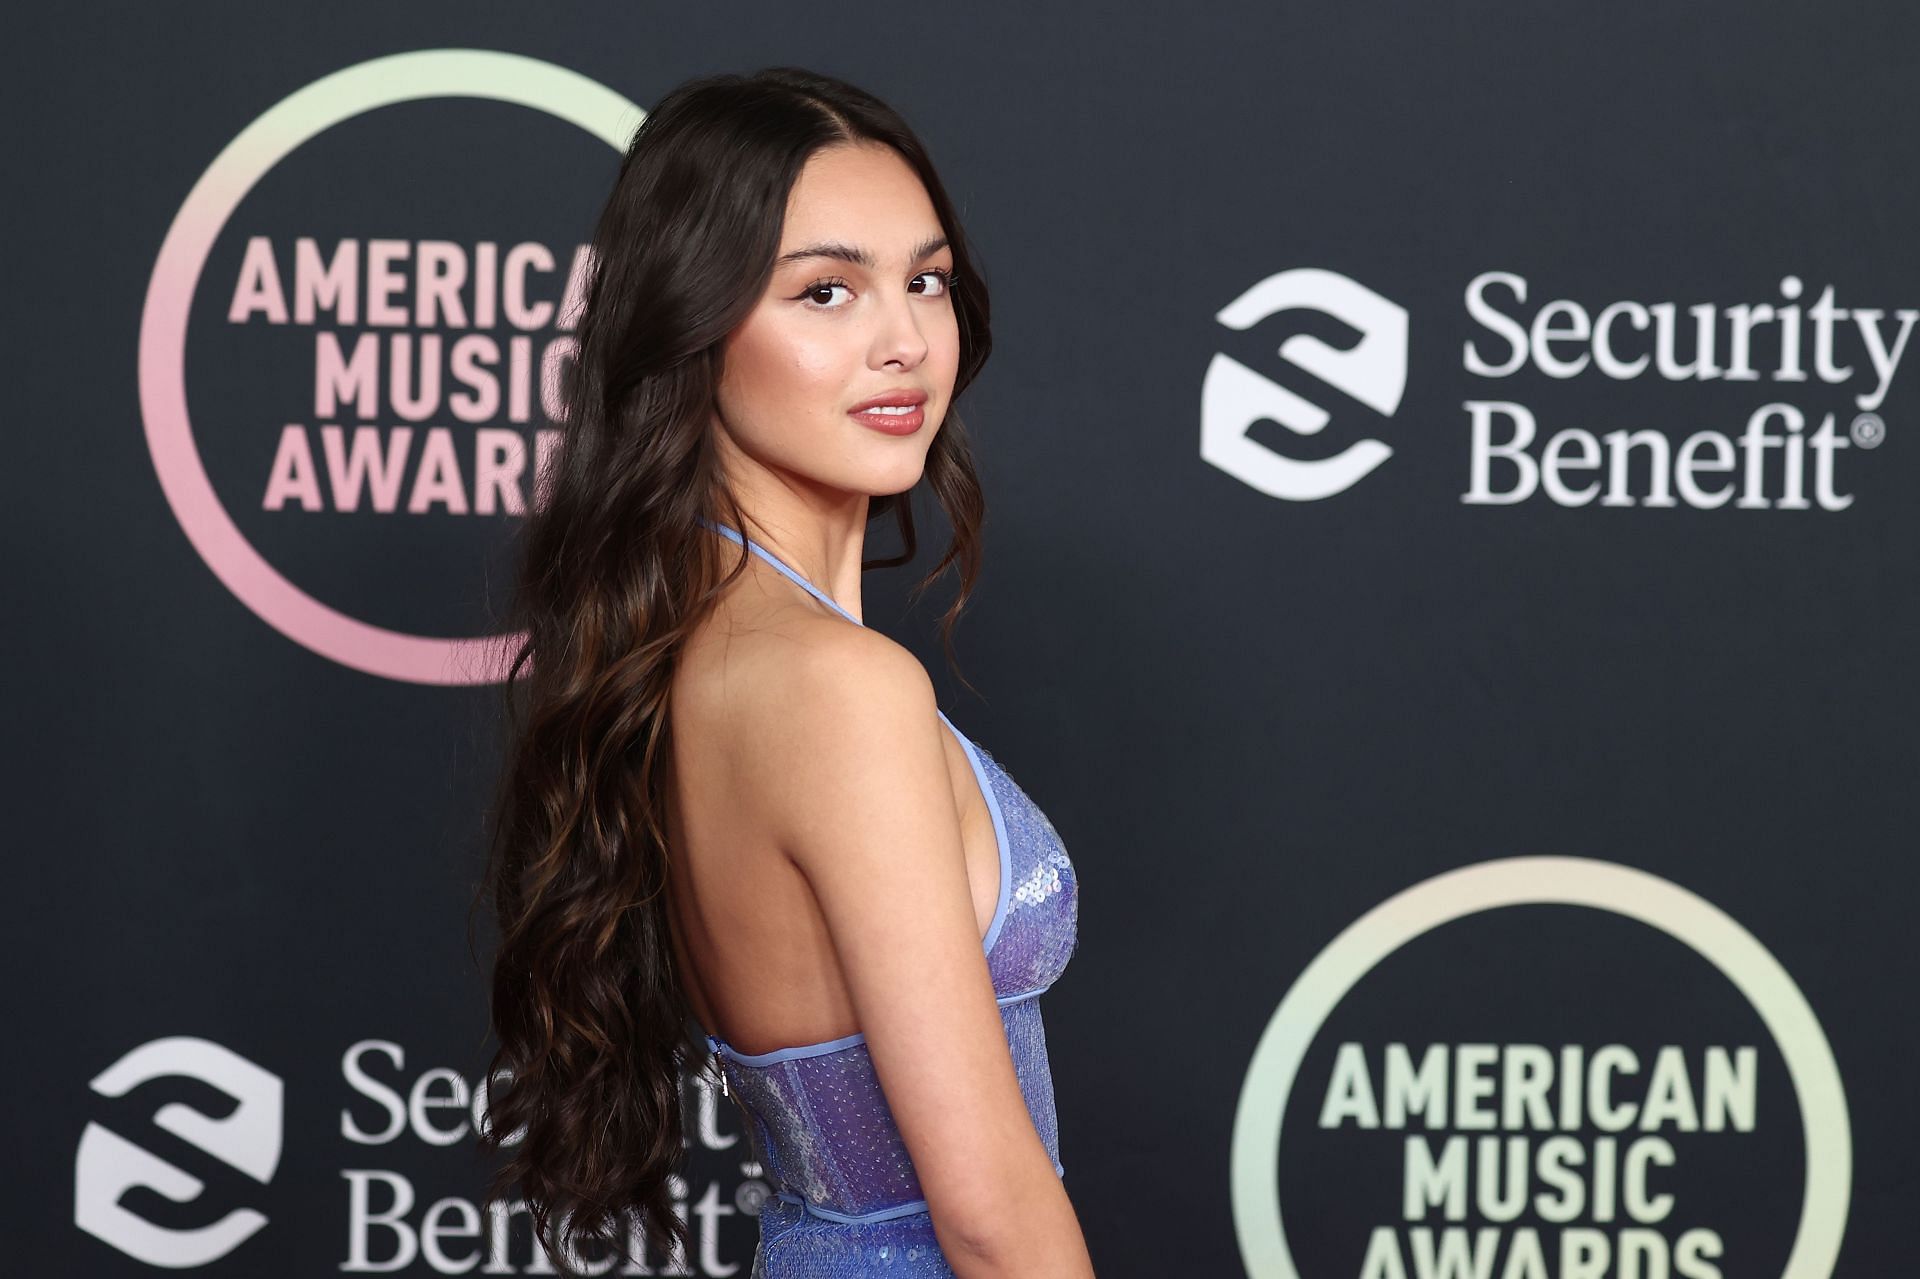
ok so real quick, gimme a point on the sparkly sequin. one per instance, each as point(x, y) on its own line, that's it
point(846, 1200)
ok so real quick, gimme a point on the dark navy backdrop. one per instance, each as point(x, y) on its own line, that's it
point(242, 857)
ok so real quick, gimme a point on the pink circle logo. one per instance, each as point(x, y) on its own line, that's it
point(304, 115)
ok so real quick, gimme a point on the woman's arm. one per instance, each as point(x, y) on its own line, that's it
point(862, 803)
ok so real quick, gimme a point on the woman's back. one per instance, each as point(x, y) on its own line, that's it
point(762, 962)
point(761, 967)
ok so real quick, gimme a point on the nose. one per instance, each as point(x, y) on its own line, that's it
point(898, 341)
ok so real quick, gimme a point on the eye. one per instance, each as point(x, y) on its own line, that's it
point(945, 276)
point(819, 286)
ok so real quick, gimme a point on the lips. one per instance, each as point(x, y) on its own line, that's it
point(902, 422)
point(891, 399)
point(894, 413)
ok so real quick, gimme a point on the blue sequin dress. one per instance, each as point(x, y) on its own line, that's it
point(846, 1201)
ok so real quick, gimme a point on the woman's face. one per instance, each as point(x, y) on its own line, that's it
point(830, 333)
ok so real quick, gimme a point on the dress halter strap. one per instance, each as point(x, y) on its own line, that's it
point(783, 566)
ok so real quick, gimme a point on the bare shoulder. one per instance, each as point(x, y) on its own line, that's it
point(816, 696)
point(767, 680)
point(845, 679)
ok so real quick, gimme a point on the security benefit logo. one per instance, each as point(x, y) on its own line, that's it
point(1758, 405)
point(119, 1168)
point(1542, 1068)
point(354, 342)
point(1785, 452)
point(195, 1155)
point(1234, 398)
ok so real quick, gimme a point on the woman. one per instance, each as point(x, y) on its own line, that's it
point(733, 820)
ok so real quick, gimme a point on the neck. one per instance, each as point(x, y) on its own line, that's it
point(823, 543)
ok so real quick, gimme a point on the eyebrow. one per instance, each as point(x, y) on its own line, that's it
point(858, 256)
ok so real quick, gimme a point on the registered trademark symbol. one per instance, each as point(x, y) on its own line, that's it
point(751, 1196)
point(1868, 430)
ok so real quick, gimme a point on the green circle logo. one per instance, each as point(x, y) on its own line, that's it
point(1520, 881)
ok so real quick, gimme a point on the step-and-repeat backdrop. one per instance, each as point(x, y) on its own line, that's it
point(1450, 581)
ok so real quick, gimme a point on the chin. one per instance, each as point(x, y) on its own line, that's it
point(895, 480)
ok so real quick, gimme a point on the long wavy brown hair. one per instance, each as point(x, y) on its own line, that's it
point(596, 1041)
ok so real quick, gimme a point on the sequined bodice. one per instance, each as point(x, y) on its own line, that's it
point(818, 1118)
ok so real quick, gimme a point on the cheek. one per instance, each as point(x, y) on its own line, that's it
point(947, 352)
point(771, 369)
